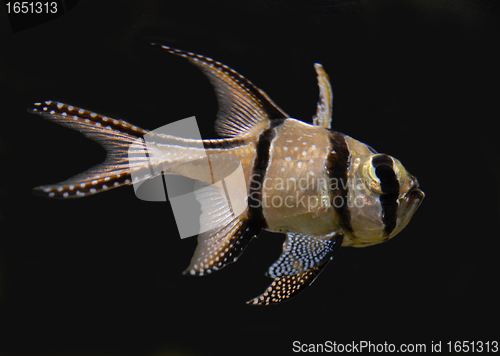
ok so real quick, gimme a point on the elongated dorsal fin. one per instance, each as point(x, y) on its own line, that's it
point(323, 115)
point(242, 106)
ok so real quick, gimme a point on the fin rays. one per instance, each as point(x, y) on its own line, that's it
point(242, 106)
point(301, 253)
point(221, 246)
point(118, 137)
point(285, 287)
point(323, 115)
point(303, 259)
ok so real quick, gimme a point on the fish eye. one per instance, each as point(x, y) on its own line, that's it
point(383, 174)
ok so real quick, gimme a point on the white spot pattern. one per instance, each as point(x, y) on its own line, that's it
point(218, 247)
point(300, 253)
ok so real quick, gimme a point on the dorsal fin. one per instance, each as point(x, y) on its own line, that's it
point(242, 106)
point(323, 115)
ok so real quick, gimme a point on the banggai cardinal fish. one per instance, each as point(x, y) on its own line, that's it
point(360, 198)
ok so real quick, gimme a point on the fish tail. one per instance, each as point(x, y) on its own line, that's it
point(122, 141)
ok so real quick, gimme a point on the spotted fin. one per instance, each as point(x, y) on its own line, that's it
point(286, 287)
point(118, 137)
point(242, 106)
point(223, 245)
point(323, 115)
point(303, 259)
point(301, 253)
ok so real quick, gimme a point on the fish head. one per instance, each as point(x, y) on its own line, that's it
point(382, 198)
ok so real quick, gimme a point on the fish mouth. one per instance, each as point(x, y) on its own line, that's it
point(414, 196)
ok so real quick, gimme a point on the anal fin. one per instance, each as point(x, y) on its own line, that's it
point(223, 245)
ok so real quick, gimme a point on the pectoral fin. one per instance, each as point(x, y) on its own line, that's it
point(302, 252)
point(302, 260)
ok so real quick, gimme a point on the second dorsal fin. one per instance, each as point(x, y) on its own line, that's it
point(242, 106)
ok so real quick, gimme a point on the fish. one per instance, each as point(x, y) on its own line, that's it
point(321, 188)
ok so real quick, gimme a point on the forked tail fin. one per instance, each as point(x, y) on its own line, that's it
point(119, 138)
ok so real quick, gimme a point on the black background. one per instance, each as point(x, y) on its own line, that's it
point(102, 275)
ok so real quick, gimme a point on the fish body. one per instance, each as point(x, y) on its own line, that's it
point(322, 188)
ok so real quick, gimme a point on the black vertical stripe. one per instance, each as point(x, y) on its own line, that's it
point(259, 171)
point(389, 204)
point(337, 167)
point(390, 191)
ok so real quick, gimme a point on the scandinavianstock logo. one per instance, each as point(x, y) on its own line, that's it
point(204, 192)
point(208, 189)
